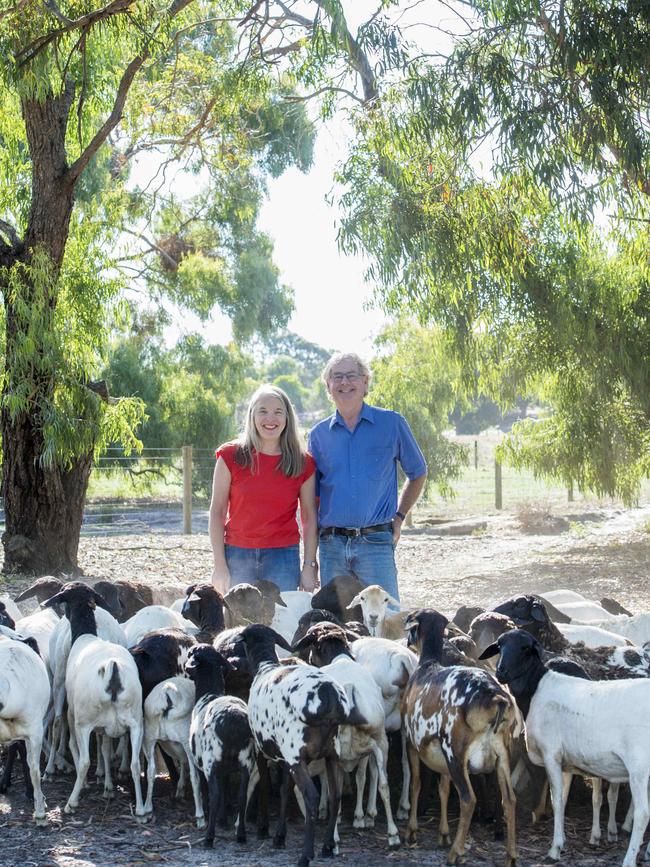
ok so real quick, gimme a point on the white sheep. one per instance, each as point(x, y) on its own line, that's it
point(155, 617)
point(103, 692)
point(58, 651)
point(24, 699)
point(374, 602)
point(167, 717)
point(390, 665)
point(598, 728)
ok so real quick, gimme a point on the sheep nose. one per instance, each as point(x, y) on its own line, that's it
point(373, 618)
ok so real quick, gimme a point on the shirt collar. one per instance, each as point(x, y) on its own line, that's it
point(366, 413)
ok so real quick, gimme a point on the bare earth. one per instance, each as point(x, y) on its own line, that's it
point(602, 553)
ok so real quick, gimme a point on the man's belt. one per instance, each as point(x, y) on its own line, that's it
point(355, 531)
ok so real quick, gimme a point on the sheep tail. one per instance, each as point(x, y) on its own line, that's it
point(114, 684)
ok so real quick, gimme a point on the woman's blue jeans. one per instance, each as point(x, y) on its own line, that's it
point(281, 565)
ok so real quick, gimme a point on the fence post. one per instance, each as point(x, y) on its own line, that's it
point(476, 454)
point(187, 490)
point(498, 490)
point(570, 491)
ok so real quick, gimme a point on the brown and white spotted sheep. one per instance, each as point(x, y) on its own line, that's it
point(221, 741)
point(600, 663)
point(295, 712)
point(458, 721)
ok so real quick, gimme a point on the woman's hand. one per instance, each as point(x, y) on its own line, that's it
point(309, 578)
point(221, 579)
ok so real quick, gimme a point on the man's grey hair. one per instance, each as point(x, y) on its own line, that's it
point(362, 367)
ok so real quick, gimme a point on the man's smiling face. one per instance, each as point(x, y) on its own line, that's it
point(347, 385)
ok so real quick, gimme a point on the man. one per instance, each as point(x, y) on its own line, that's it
point(356, 452)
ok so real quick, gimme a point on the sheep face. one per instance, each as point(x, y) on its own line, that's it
point(374, 601)
point(517, 649)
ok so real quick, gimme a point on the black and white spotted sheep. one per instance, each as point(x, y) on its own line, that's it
point(295, 712)
point(458, 720)
point(221, 741)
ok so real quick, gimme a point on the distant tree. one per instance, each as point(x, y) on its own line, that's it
point(294, 388)
point(415, 375)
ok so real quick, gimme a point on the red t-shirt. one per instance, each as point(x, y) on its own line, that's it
point(262, 505)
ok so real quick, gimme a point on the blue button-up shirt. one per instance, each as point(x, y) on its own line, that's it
point(356, 471)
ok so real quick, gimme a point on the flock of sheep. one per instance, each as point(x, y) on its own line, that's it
point(313, 685)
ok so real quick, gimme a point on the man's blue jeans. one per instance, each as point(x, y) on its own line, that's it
point(371, 558)
point(281, 565)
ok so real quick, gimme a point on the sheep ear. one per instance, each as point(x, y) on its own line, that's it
point(538, 612)
point(393, 601)
point(59, 599)
point(356, 601)
point(190, 589)
point(99, 600)
point(279, 601)
point(303, 643)
point(52, 585)
point(491, 650)
point(280, 640)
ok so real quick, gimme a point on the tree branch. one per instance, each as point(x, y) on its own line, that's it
point(115, 7)
point(120, 98)
point(9, 232)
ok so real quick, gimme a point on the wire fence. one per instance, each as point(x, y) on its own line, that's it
point(168, 490)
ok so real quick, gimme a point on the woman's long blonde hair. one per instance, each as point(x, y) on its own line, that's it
point(292, 456)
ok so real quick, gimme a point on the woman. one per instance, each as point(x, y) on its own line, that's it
point(258, 482)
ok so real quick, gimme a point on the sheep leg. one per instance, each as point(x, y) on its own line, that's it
point(555, 778)
point(380, 753)
point(196, 790)
point(307, 788)
point(596, 804)
point(262, 797)
point(109, 789)
point(16, 749)
point(639, 789)
point(460, 778)
point(334, 788)
point(444, 787)
point(80, 746)
point(612, 801)
point(360, 779)
point(629, 817)
point(412, 830)
point(135, 732)
point(371, 806)
point(280, 835)
point(509, 802)
point(32, 747)
point(215, 796)
point(123, 750)
point(539, 812)
point(149, 749)
point(322, 803)
point(403, 807)
point(241, 816)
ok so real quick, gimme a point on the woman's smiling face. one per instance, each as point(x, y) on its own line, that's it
point(270, 418)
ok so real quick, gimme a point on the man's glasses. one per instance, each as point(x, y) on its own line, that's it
point(351, 377)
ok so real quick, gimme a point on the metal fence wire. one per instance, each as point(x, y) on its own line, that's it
point(167, 490)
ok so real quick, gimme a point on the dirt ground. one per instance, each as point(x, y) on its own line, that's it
point(600, 553)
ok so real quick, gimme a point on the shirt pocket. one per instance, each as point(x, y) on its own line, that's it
point(379, 463)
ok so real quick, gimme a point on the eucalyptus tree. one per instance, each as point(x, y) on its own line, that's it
point(88, 88)
point(501, 193)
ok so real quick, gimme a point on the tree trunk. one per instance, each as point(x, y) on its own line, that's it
point(43, 501)
point(43, 507)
